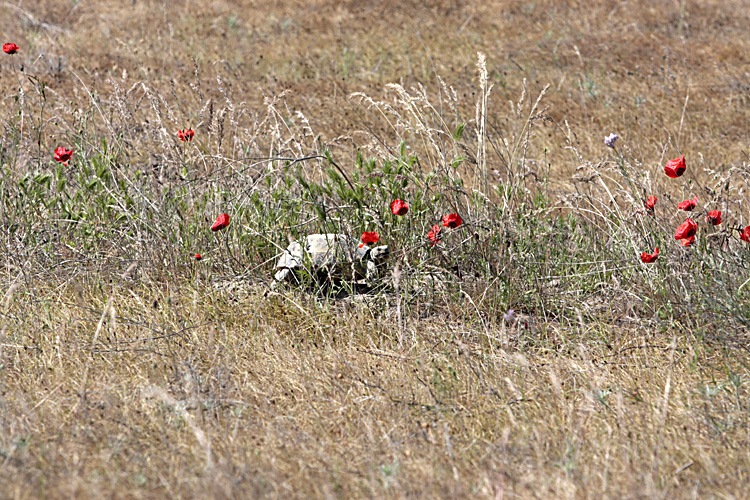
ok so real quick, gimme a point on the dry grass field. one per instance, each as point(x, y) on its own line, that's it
point(130, 369)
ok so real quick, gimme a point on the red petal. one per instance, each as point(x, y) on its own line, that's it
point(222, 221)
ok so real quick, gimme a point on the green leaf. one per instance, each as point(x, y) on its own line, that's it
point(43, 180)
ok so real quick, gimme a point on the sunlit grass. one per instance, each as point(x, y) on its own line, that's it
point(130, 368)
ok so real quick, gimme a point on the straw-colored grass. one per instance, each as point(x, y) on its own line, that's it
point(128, 369)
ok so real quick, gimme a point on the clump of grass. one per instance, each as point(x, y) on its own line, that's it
point(520, 246)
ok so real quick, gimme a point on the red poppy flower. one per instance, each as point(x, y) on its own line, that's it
point(186, 135)
point(687, 241)
point(676, 167)
point(649, 258)
point(434, 235)
point(650, 203)
point(399, 207)
point(370, 237)
point(745, 234)
point(452, 220)
point(686, 229)
point(10, 48)
point(222, 221)
point(688, 205)
point(714, 217)
point(198, 256)
point(63, 155)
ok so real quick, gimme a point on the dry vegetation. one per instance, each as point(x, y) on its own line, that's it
point(130, 370)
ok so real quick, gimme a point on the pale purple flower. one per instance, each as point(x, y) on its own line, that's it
point(509, 317)
point(610, 140)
